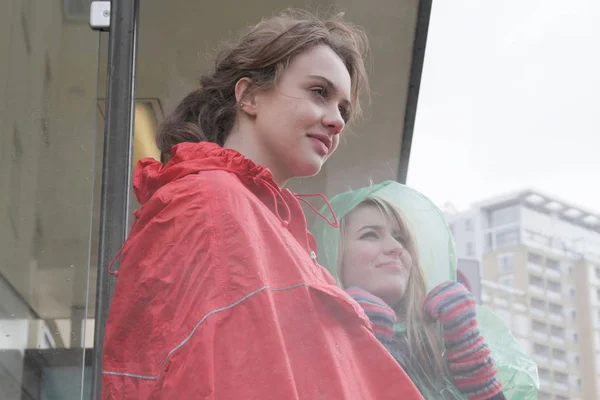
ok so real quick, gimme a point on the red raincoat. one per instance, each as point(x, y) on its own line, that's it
point(218, 296)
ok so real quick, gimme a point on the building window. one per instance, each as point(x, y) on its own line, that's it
point(470, 249)
point(554, 286)
point(544, 396)
point(561, 378)
point(536, 281)
point(540, 350)
point(556, 309)
point(575, 338)
point(507, 238)
point(572, 292)
point(573, 315)
point(468, 225)
point(538, 304)
point(508, 280)
point(559, 355)
point(539, 327)
point(557, 331)
point(598, 294)
point(504, 216)
point(597, 271)
point(544, 374)
point(553, 264)
point(534, 258)
point(489, 242)
point(506, 263)
point(561, 397)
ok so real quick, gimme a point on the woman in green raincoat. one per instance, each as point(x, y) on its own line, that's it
point(394, 255)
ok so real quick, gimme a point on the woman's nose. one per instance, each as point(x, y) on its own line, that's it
point(394, 246)
point(334, 121)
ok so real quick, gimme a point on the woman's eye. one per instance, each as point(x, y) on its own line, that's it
point(344, 113)
point(320, 91)
point(369, 235)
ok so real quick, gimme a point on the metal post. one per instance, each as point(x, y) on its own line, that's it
point(116, 167)
point(416, 70)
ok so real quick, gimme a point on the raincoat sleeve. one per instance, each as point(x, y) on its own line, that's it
point(171, 278)
point(516, 370)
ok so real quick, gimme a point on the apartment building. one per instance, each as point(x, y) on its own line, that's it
point(540, 269)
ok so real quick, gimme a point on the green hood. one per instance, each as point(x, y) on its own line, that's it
point(516, 370)
point(435, 244)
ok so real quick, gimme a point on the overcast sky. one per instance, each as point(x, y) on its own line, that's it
point(510, 98)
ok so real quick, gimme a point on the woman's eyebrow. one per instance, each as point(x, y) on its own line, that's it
point(331, 87)
point(374, 227)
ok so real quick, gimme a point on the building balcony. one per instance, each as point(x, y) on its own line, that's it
point(552, 273)
point(562, 364)
point(535, 268)
point(541, 360)
point(554, 295)
point(500, 302)
point(561, 387)
point(557, 318)
point(545, 384)
point(557, 340)
point(536, 289)
point(538, 312)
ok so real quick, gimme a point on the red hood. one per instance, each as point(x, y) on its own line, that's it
point(190, 158)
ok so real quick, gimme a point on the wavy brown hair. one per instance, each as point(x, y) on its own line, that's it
point(261, 54)
point(424, 337)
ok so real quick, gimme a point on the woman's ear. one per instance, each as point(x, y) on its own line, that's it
point(244, 96)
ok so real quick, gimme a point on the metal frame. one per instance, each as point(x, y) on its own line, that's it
point(116, 166)
point(414, 85)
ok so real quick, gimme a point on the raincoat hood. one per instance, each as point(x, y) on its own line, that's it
point(516, 370)
point(191, 158)
point(426, 220)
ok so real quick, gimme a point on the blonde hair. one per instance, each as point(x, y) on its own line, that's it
point(424, 338)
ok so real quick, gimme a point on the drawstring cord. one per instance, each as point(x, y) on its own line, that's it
point(275, 194)
point(136, 214)
point(335, 223)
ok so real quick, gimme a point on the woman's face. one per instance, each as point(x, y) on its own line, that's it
point(375, 258)
point(298, 122)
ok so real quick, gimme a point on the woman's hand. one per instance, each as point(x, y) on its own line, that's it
point(469, 358)
point(381, 315)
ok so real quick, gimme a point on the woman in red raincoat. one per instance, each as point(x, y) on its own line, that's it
point(219, 293)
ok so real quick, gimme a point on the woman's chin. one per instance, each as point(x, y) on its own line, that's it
point(307, 169)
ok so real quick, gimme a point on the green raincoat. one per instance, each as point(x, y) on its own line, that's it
point(516, 370)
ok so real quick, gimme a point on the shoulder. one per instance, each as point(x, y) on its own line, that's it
point(217, 187)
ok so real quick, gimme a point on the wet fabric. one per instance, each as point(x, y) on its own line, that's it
point(219, 295)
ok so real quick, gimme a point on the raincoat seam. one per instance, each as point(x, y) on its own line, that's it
point(192, 333)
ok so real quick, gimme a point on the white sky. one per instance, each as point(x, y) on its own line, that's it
point(510, 98)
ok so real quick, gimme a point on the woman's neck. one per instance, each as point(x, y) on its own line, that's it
point(246, 145)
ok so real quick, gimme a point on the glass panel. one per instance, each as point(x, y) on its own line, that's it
point(507, 131)
point(48, 147)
